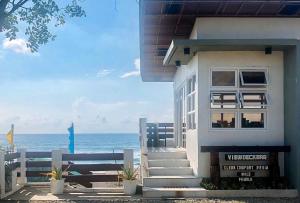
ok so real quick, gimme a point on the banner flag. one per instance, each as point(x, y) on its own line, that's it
point(71, 139)
point(10, 136)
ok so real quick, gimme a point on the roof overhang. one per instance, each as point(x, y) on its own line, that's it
point(176, 54)
point(162, 21)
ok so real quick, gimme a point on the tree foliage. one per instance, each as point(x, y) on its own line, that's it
point(37, 17)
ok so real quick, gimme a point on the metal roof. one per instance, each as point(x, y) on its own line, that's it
point(161, 21)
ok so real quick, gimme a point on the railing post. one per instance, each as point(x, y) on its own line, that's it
point(143, 135)
point(2, 173)
point(57, 159)
point(128, 158)
point(22, 180)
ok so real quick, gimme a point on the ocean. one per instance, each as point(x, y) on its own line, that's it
point(84, 143)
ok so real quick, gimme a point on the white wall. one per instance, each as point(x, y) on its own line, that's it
point(181, 76)
point(273, 134)
point(246, 28)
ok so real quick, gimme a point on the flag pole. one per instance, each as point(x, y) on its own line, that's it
point(13, 134)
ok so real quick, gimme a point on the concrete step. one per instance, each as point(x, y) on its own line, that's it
point(198, 192)
point(173, 192)
point(169, 163)
point(166, 155)
point(171, 181)
point(170, 171)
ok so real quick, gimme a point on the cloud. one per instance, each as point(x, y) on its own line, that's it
point(17, 45)
point(135, 72)
point(104, 72)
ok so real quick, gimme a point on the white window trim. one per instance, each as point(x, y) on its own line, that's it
point(253, 84)
point(238, 88)
point(228, 92)
point(190, 95)
point(224, 111)
point(231, 69)
point(260, 92)
point(251, 111)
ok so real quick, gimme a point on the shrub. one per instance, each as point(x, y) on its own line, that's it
point(207, 184)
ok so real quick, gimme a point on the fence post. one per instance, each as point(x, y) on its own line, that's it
point(128, 158)
point(143, 135)
point(57, 158)
point(22, 180)
point(2, 173)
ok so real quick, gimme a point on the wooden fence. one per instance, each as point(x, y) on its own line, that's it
point(28, 167)
point(155, 134)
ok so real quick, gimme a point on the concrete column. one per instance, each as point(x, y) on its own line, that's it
point(143, 135)
point(22, 180)
point(2, 173)
point(57, 158)
point(128, 158)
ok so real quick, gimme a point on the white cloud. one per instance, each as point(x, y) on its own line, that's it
point(16, 45)
point(136, 72)
point(104, 72)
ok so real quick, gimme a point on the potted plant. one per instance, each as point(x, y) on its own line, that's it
point(129, 176)
point(57, 181)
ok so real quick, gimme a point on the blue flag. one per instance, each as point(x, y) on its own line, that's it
point(71, 139)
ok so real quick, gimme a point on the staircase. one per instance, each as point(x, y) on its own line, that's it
point(170, 175)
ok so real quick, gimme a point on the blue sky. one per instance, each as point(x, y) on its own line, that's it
point(88, 75)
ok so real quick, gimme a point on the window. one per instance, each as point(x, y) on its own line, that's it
point(191, 102)
point(224, 100)
point(238, 98)
point(222, 120)
point(223, 78)
point(252, 120)
point(253, 78)
point(253, 100)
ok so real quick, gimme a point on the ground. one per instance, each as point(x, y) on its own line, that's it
point(40, 194)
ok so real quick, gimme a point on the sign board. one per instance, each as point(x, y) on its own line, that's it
point(244, 166)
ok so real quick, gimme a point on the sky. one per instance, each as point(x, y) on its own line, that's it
point(89, 75)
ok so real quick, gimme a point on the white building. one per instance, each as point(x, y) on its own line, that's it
point(235, 68)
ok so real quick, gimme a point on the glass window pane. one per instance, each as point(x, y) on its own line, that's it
point(223, 100)
point(193, 102)
point(194, 83)
point(223, 120)
point(191, 121)
point(191, 84)
point(254, 78)
point(254, 100)
point(223, 78)
point(252, 120)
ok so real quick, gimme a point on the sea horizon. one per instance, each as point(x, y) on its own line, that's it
point(84, 142)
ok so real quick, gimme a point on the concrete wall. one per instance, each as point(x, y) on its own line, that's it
point(182, 75)
point(246, 28)
point(292, 113)
point(273, 134)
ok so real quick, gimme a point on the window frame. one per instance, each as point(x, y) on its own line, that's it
point(212, 101)
point(242, 83)
point(238, 88)
point(242, 102)
point(224, 69)
point(222, 111)
point(253, 112)
point(190, 94)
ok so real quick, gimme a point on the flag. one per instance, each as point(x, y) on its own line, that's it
point(71, 139)
point(10, 136)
